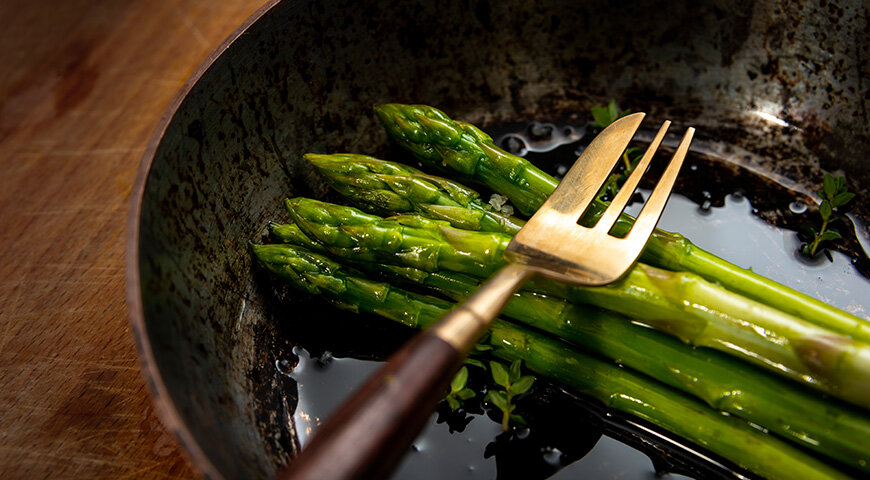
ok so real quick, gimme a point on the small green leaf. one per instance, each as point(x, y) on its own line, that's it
point(841, 182)
point(830, 186)
point(601, 116)
point(829, 235)
point(806, 249)
point(465, 394)
point(604, 116)
point(825, 209)
point(517, 420)
point(516, 370)
point(499, 374)
point(498, 399)
point(475, 363)
point(807, 230)
point(452, 403)
point(482, 347)
point(522, 385)
point(634, 155)
point(842, 198)
point(459, 380)
point(612, 110)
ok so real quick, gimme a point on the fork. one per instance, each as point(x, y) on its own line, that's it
point(368, 435)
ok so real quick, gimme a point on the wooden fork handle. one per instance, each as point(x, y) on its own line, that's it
point(368, 435)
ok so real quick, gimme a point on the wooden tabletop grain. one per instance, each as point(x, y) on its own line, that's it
point(83, 84)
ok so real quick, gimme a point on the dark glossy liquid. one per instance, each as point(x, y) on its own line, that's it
point(569, 436)
point(473, 445)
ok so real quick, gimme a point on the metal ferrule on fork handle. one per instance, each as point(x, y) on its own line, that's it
point(464, 326)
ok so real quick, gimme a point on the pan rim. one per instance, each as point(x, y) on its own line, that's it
point(165, 407)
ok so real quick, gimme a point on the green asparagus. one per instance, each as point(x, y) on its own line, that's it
point(618, 388)
point(682, 304)
point(436, 139)
point(720, 381)
point(388, 187)
point(319, 275)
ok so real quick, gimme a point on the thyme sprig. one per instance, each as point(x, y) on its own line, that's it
point(834, 194)
point(458, 391)
point(512, 384)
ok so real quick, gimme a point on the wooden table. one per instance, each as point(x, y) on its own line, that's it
point(83, 83)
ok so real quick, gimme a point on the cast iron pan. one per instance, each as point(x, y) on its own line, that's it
point(773, 88)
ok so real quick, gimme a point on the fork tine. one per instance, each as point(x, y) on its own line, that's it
point(652, 211)
point(581, 184)
point(617, 205)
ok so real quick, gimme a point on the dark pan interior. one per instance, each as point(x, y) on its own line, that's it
point(303, 77)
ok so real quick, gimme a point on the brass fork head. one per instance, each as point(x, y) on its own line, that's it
point(553, 244)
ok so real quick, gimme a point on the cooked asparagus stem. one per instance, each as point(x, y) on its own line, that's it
point(681, 304)
point(436, 139)
point(621, 390)
point(347, 232)
point(386, 187)
point(720, 381)
point(348, 289)
point(618, 388)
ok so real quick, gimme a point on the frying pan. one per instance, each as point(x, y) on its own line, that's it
point(779, 88)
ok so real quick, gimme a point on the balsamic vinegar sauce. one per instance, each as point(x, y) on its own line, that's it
point(312, 366)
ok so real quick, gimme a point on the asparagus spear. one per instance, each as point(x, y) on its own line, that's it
point(436, 139)
point(348, 232)
point(348, 289)
point(720, 381)
point(681, 304)
point(387, 187)
point(616, 387)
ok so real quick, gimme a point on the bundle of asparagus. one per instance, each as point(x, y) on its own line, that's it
point(451, 239)
point(680, 303)
point(616, 387)
point(435, 139)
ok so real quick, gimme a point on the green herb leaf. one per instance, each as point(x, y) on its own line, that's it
point(604, 116)
point(612, 110)
point(465, 394)
point(475, 363)
point(522, 385)
point(830, 186)
point(829, 235)
point(459, 380)
point(842, 198)
point(834, 195)
point(825, 209)
point(516, 370)
point(517, 420)
point(499, 374)
point(458, 391)
point(498, 399)
point(601, 116)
